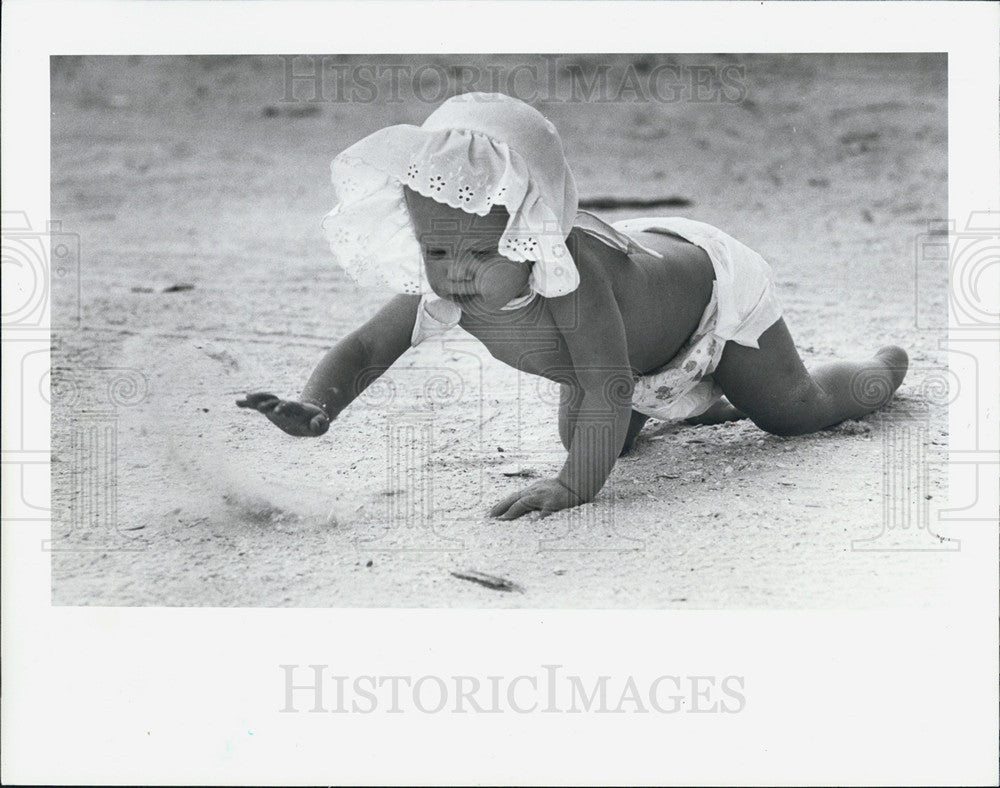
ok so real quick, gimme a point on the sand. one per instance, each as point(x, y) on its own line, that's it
point(197, 195)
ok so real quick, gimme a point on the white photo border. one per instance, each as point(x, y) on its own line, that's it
point(127, 696)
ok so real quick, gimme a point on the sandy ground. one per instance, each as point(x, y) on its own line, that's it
point(193, 171)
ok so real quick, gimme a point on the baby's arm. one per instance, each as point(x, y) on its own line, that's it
point(344, 372)
point(362, 356)
point(591, 323)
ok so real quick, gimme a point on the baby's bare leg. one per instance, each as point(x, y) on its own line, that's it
point(719, 412)
point(635, 425)
point(772, 386)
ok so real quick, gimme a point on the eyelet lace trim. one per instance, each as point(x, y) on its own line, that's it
point(370, 232)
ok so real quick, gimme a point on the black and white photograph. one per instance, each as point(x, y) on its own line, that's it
point(470, 339)
point(560, 331)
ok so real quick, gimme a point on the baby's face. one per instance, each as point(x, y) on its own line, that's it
point(461, 257)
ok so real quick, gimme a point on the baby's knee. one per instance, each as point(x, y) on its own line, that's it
point(784, 427)
point(800, 411)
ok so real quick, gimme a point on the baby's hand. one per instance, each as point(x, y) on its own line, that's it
point(546, 496)
point(302, 419)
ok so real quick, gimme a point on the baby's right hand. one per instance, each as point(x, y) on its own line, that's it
point(302, 419)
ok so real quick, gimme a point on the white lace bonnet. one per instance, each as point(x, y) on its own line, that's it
point(475, 151)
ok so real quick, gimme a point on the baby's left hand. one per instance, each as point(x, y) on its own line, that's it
point(546, 496)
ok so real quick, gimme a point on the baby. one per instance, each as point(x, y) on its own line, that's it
point(472, 217)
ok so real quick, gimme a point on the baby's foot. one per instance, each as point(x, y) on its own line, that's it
point(635, 425)
point(895, 358)
point(302, 419)
point(627, 446)
point(718, 412)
